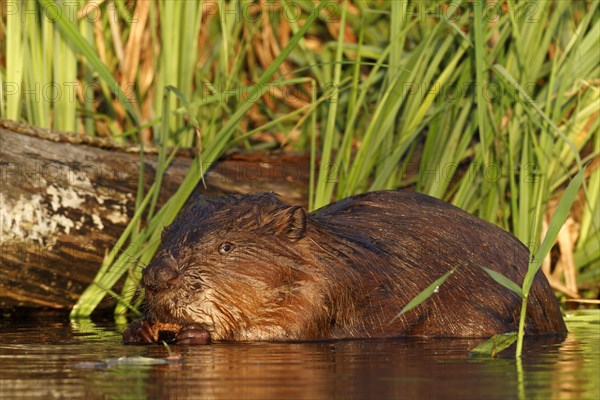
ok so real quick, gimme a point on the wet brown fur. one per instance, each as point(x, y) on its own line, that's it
point(344, 271)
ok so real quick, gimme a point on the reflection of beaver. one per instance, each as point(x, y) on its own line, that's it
point(254, 268)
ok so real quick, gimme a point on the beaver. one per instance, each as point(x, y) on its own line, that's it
point(253, 268)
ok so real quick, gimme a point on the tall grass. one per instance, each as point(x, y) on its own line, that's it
point(492, 106)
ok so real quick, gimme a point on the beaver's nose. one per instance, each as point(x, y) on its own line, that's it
point(160, 274)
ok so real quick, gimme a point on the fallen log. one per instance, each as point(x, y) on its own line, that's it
point(66, 198)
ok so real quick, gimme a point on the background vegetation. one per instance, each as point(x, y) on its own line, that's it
point(492, 106)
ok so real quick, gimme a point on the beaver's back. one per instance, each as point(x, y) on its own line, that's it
point(417, 239)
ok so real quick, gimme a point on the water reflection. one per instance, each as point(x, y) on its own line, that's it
point(349, 369)
point(57, 359)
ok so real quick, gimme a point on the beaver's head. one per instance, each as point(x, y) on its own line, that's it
point(241, 267)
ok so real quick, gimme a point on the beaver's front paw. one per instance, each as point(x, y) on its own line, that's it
point(193, 334)
point(140, 332)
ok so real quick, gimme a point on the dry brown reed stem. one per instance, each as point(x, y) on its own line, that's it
point(566, 243)
point(133, 48)
point(564, 269)
point(583, 301)
point(116, 35)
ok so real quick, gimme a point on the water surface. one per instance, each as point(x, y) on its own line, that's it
point(53, 358)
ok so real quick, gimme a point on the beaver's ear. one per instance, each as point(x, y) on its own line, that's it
point(293, 223)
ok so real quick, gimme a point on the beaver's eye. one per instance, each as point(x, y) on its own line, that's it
point(226, 248)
